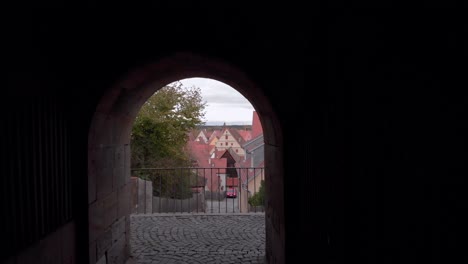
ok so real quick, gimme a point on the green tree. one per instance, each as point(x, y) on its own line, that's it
point(159, 135)
point(159, 132)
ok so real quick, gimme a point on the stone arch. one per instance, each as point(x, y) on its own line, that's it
point(109, 149)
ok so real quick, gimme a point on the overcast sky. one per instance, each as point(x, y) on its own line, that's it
point(224, 103)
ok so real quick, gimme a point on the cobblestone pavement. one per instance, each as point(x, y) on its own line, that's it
point(197, 238)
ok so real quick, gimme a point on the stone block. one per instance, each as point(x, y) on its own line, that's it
point(120, 173)
point(92, 175)
point(105, 156)
point(127, 236)
point(92, 252)
point(124, 201)
point(127, 158)
point(104, 182)
point(118, 229)
point(96, 220)
point(95, 134)
point(119, 177)
point(102, 260)
point(104, 130)
point(92, 186)
point(125, 122)
point(103, 243)
point(127, 226)
point(119, 156)
point(110, 209)
point(117, 254)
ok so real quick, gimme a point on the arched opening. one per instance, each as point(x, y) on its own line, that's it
point(197, 157)
point(109, 151)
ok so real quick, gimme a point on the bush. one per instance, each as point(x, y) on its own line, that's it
point(258, 199)
point(170, 183)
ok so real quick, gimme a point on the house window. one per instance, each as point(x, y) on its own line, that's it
point(237, 150)
point(232, 144)
point(226, 136)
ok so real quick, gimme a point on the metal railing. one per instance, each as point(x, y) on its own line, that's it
point(197, 190)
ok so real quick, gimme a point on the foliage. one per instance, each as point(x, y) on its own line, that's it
point(159, 135)
point(258, 199)
point(159, 132)
point(172, 183)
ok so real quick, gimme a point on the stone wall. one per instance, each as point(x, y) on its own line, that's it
point(167, 205)
point(142, 196)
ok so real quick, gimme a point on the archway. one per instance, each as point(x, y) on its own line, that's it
point(109, 151)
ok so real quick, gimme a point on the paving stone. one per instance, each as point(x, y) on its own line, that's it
point(198, 238)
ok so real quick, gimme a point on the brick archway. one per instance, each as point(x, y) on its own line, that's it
point(109, 150)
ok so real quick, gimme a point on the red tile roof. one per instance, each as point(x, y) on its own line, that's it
point(200, 152)
point(245, 134)
point(220, 164)
point(244, 163)
point(256, 126)
point(214, 133)
point(208, 134)
point(219, 153)
point(234, 155)
point(236, 135)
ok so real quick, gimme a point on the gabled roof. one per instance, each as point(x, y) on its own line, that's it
point(211, 140)
point(256, 125)
point(245, 134)
point(219, 165)
point(208, 134)
point(235, 134)
point(219, 153)
point(234, 155)
point(198, 132)
point(244, 163)
point(254, 143)
point(211, 134)
point(201, 135)
point(200, 152)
